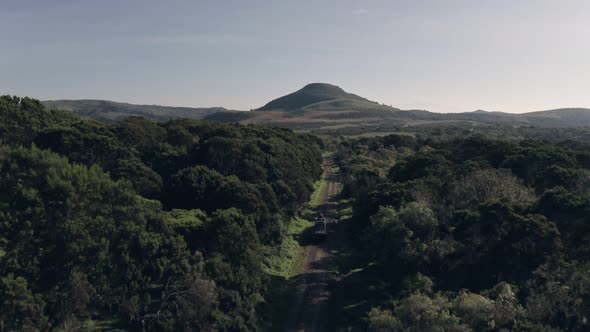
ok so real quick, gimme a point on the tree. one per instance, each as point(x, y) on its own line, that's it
point(406, 241)
point(422, 313)
point(194, 187)
point(20, 309)
point(383, 321)
point(501, 244)
point(188, 302)
point(559, 295)
point(81, 241)
point(481, 186)
point(21, 119)
point(138, 133)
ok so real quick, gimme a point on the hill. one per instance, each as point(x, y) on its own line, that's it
point(565, 117)
point(110, 110)
point(326, 106)
point(321, 106)
point(311, 94)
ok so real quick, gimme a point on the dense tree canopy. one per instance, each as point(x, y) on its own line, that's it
point(167, 226)
point(146, 225)
point(470, 234)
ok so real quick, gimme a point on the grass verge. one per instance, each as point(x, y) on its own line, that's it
point(316, 197)
point(289, 258)
point(286, 262)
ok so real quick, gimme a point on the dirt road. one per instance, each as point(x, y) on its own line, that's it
point(311, 297)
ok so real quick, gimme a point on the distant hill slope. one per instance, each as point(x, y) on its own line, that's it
point(560, 117)
point(110, 110)
point(564, 117)
point(312, 94)
point(324, 106)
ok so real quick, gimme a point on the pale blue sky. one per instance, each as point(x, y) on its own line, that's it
point(440, 55)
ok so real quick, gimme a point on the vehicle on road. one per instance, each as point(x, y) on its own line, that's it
point(320, 229)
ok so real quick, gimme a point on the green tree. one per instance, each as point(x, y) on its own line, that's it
point(20, 309)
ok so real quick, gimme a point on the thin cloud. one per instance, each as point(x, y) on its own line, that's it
point(361, 11)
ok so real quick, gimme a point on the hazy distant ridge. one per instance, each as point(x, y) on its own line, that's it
point(110, 110)
point(323, 104)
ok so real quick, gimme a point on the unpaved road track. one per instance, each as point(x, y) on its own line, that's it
point(311, 298)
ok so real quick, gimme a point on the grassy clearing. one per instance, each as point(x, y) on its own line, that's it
point(289, 258)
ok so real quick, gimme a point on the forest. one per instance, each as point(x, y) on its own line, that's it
point(141, 225)
point(146, 226)
point(466, 234)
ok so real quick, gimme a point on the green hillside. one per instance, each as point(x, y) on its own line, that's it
point(347, 105)
point(560, 117)
point(563, 117)
point(311, 94)
point(110, 110)
point(320, 97)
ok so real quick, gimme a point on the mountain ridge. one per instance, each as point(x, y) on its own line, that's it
point(318, 105)
point(112, 110)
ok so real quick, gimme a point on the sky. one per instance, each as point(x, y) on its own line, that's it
point(439, 55)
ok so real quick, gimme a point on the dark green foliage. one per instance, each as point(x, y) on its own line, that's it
point(96, 144)
point(20, 309)
point(559, 295)
point(399, 141)
point(571, 213)
point(81, 241)
point(139, 133)
point(471, 234)
point(21, 119)
point(195, 187)
point(424, 163)
point(503, 245)
point(151, 226)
